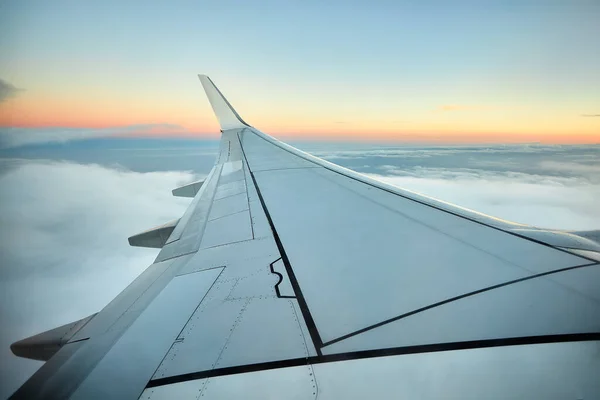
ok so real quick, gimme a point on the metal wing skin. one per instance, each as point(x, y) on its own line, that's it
point(292, 277)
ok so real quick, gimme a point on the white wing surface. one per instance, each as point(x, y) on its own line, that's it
point(289, 276)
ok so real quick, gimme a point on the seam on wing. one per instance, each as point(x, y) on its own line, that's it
point(423, 202)
point(229, 215)
point(450, 300)
point(244, 167)
point(186, 323)
point(421, 222)
point(277, 292)
point(235, 325)
point(284, 169)
point(308, 318)
point(357, 355)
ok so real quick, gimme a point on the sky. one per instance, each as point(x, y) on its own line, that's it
point(394, 71)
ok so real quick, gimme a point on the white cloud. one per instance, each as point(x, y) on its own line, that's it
point(63, 240)
point(577, 168)
point(8, 90)
point(15, 137)
point(499, 177)
point(552, 186)
point(64, 226)
point(544, 201)
point(409, 151)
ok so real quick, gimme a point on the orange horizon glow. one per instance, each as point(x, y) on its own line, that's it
point(452, 73)
point(187, 119)
point(366, 137)
point(355, 136)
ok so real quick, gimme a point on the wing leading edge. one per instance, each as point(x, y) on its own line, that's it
point(303, 263)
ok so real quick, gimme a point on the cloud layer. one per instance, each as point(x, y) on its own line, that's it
point(16, 137)
point(552, 203)
point(7, 90)
point(548, 186)
point(64, 225)
point(63, 240)
point(132, 153)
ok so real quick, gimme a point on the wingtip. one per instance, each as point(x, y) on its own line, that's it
point(226, 115)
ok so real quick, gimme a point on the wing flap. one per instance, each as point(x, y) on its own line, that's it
point(46, 344)
point(155, 237)
point(188, 190)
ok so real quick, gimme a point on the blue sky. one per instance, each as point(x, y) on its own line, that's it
point(517, 70)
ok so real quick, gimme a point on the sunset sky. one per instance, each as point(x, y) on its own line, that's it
point(409, 71)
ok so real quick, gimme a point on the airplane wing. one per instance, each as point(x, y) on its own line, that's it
point(290, 276)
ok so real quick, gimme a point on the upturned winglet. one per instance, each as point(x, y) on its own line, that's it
point(227, 116)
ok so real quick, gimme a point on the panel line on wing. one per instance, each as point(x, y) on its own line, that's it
point(192, 314)
point(284, 169)
point(432, 227)
point(277, 290)
point(357, 355)
point(228, 215)
point(308, 319)
point(381, 187)
point(227, 244)
point(452, 299)
point(245, 165)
